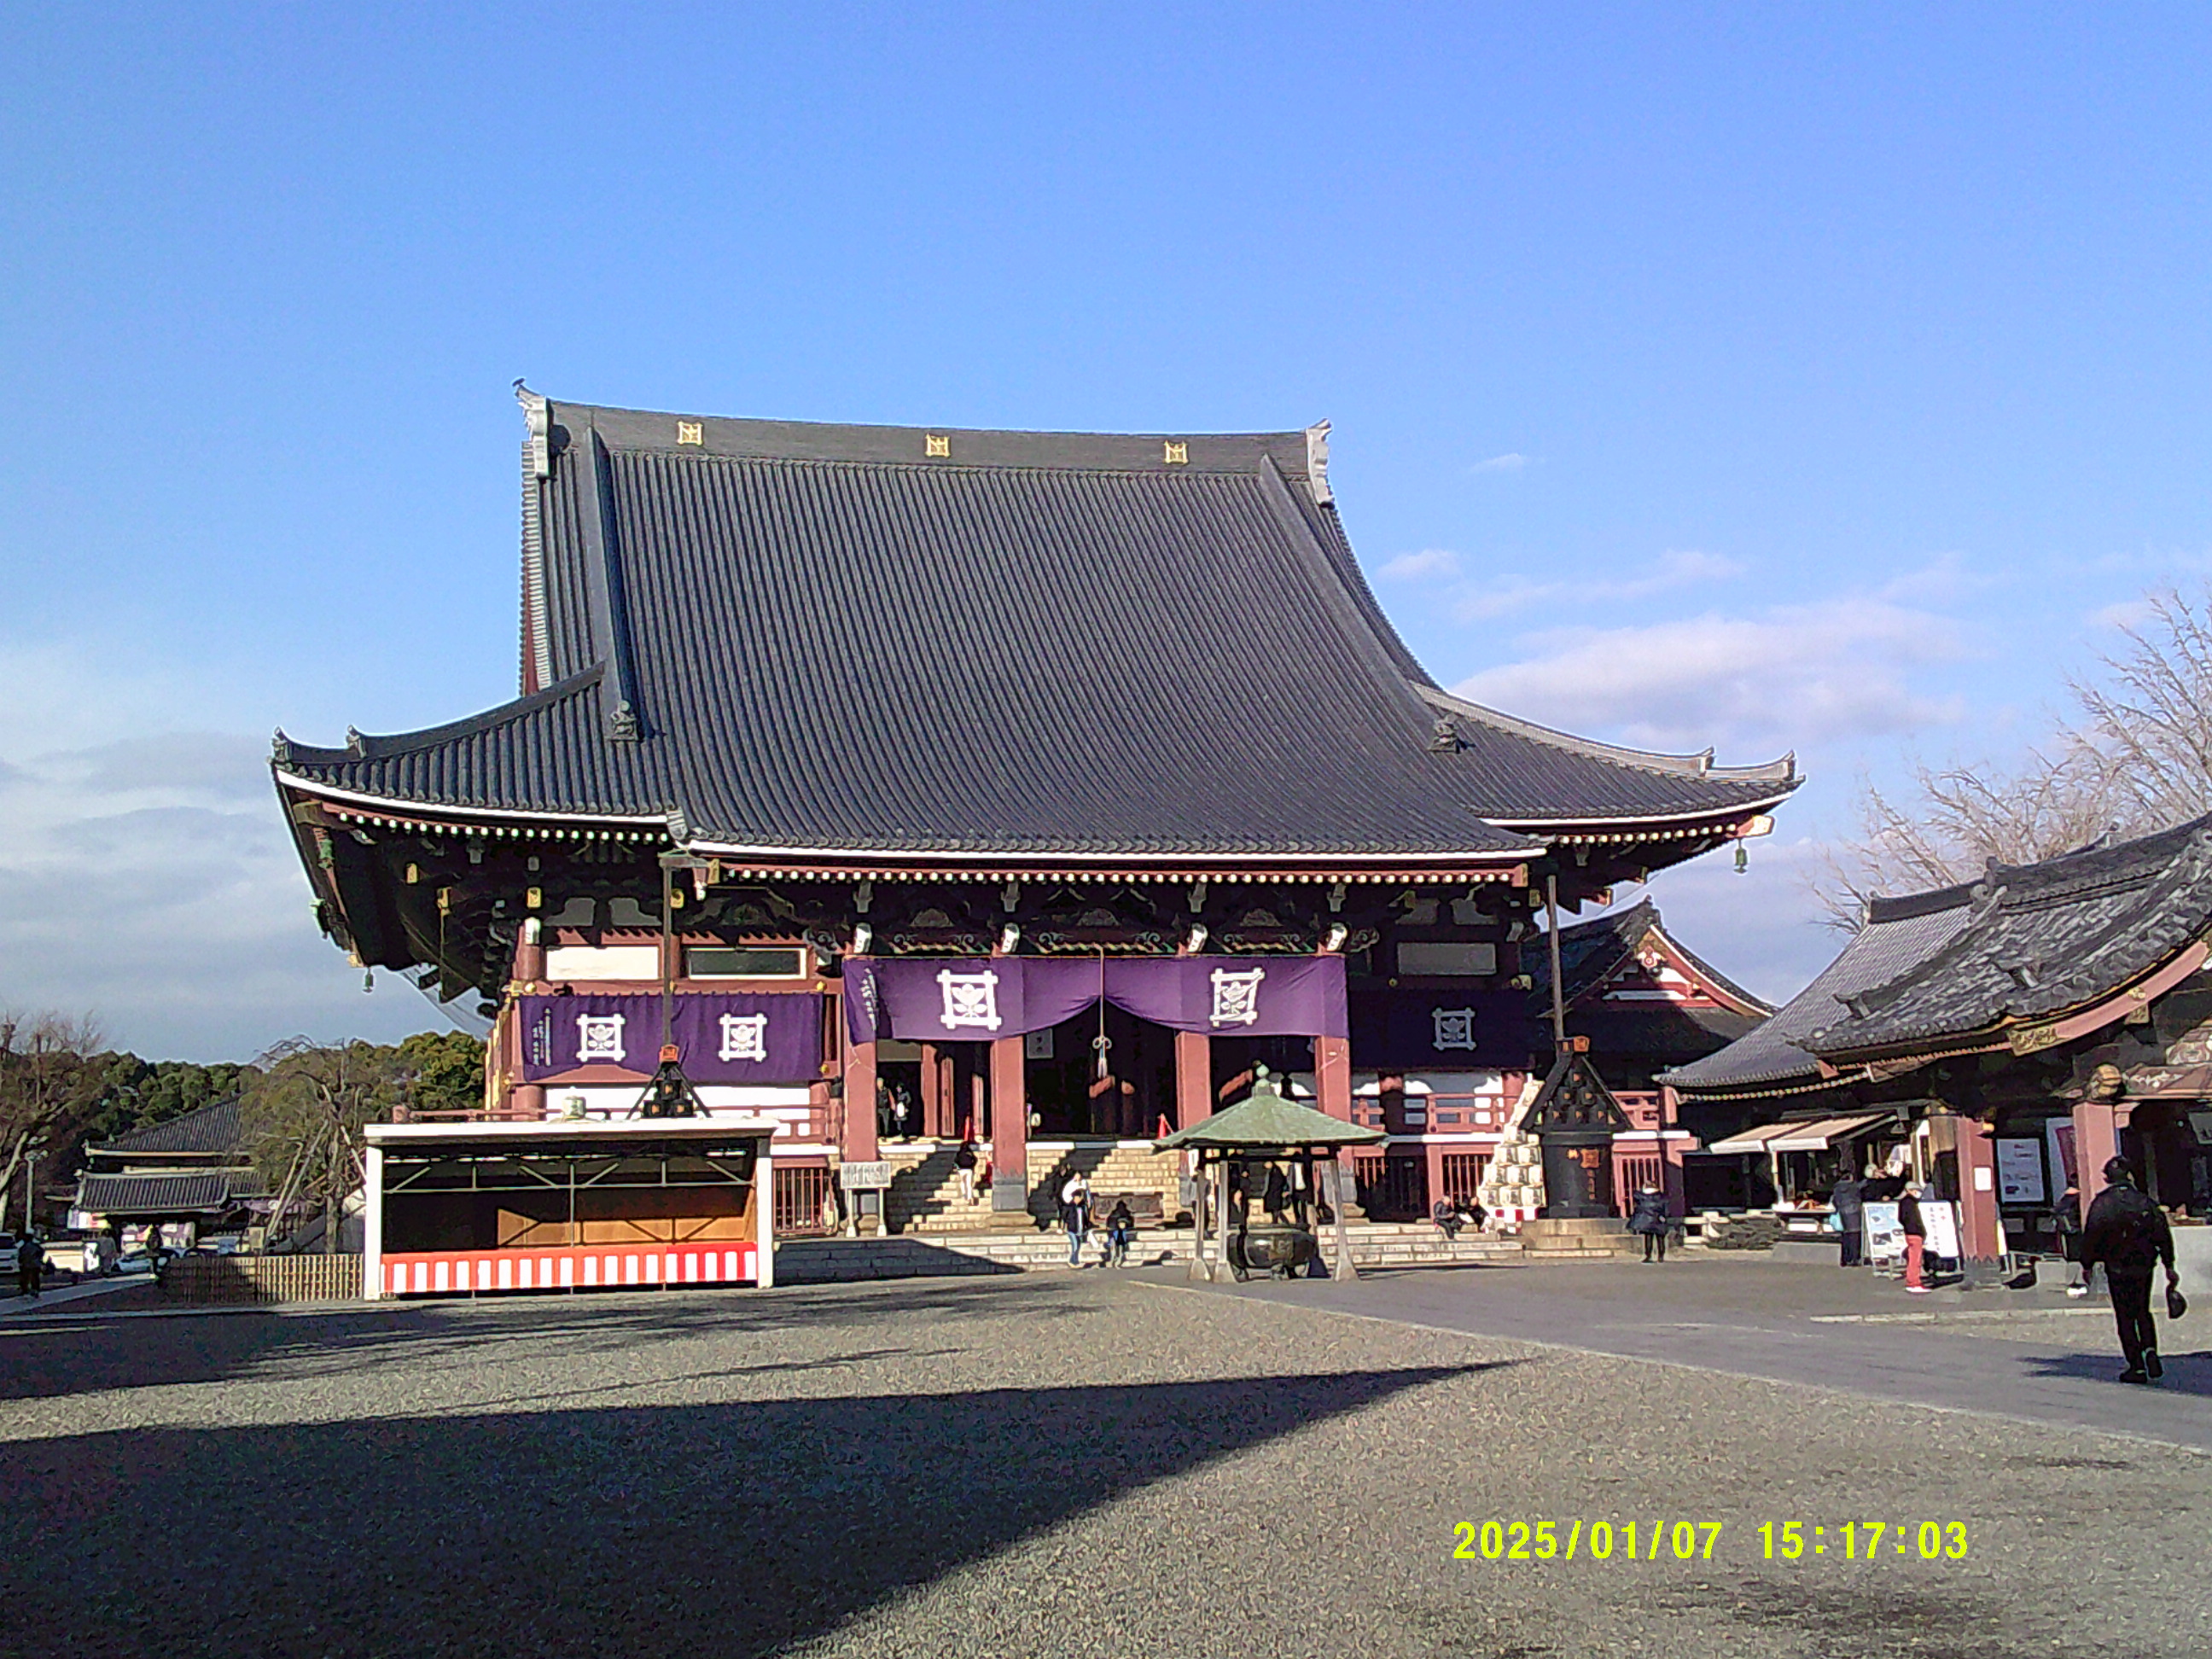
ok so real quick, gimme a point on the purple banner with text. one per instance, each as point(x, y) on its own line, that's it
point(724, 1037)
point(977, 1000)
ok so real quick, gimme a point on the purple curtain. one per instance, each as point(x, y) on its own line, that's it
point(940, 1001)
point(724, 1037)
point(1443, 1030)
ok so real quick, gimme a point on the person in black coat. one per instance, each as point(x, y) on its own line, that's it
point(1650, 1218)
point(1849, 1198)
point(2129, 1233)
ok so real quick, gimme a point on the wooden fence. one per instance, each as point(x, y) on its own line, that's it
point(263, 1278)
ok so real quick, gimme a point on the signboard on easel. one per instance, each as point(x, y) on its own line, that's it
point(1885, 1237)
point(1940, 1218)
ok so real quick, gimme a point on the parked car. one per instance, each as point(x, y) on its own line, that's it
point(137, 1262)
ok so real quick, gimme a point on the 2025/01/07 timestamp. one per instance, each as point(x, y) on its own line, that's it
point(1686, 1540)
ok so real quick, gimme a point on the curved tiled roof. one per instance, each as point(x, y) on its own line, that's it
point(2039, 940)
point(787, 638)
point(212, 1128)
point(1898, 936)
point(196, 1192)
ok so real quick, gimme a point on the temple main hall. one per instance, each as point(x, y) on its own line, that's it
point(970, 807)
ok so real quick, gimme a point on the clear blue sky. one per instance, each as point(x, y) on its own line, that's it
point(1773, 377)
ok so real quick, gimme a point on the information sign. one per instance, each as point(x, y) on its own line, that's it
point(2020, 1170)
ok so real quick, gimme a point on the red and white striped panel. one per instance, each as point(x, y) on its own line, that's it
point(583, 1267)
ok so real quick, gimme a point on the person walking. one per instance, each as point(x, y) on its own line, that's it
point(30, 1264)
point(966, 1161)
point(1075, 1215)
point(2129, 1233)
point(1909, 1223)
point(1849, 1199)
point(1649, 1218)
point(1120, 1227)
point(2067, 1217)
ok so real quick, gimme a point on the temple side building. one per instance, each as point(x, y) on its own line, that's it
point(922, 787)
point(1997, 1039)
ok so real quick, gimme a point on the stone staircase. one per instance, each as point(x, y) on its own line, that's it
point(925, 1197)
point(1110, 1167)
point(925, 1194)
point(926, 1255)
point(1593, 1238)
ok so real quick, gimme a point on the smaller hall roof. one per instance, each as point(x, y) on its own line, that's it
point(180, 1193)
point(212, 1129)
point(1591, 950)
point(1897, 936)
point(2040, 940)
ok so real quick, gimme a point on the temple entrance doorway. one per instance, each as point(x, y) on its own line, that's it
point(1068, 1096)
point(1290, 1060)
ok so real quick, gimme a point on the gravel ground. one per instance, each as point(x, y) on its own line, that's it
point(1054, 1465)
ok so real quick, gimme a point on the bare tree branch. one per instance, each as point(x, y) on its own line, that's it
point(2136, 757)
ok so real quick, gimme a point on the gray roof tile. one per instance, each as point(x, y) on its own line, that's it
point(1898, 936)
point(213, 1127)
point(2038, 941)
point(1037, 644)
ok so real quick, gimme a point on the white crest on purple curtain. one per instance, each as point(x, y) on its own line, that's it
point(1454, 1028)
point(1235, 997)
point(745, 1037)
point(970, 999)
point(599, 1037)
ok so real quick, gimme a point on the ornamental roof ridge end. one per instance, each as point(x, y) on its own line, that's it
point(1781, 772)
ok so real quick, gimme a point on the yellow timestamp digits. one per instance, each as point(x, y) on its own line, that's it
point(1600, 1540)
point(1867, 1541)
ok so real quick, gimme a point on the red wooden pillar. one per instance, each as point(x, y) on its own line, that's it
point(1010, 1111)
point(2096, 1143)
point(1333, 1076)
point(933, 1091)
point(858, 1141)
point(1333, 1086)
point(1981, 1230)
point(1193, 1053)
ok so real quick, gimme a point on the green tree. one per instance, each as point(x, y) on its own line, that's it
point(445, 1071)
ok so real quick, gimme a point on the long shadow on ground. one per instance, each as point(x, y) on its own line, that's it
point(63, 1354)
point(726, 1529)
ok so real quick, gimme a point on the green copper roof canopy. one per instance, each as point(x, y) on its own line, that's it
point(1264, 1119)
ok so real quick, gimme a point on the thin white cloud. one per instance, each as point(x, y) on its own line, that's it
point(1510, 462)
point(2126, 613)
point(1674, 568)
point(1944, 580)
point(146, 876)
point(1429, 561)
point(1790, 676)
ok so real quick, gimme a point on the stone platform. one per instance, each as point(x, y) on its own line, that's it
point(1374, 1244)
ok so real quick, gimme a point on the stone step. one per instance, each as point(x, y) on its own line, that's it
point(819, 1261)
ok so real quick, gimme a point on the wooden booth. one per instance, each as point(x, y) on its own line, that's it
point(470, 1208)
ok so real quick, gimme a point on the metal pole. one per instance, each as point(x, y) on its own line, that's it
point(1558, 990)
point(667, 956)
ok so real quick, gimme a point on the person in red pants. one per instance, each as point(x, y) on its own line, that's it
point(1916, 1239)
